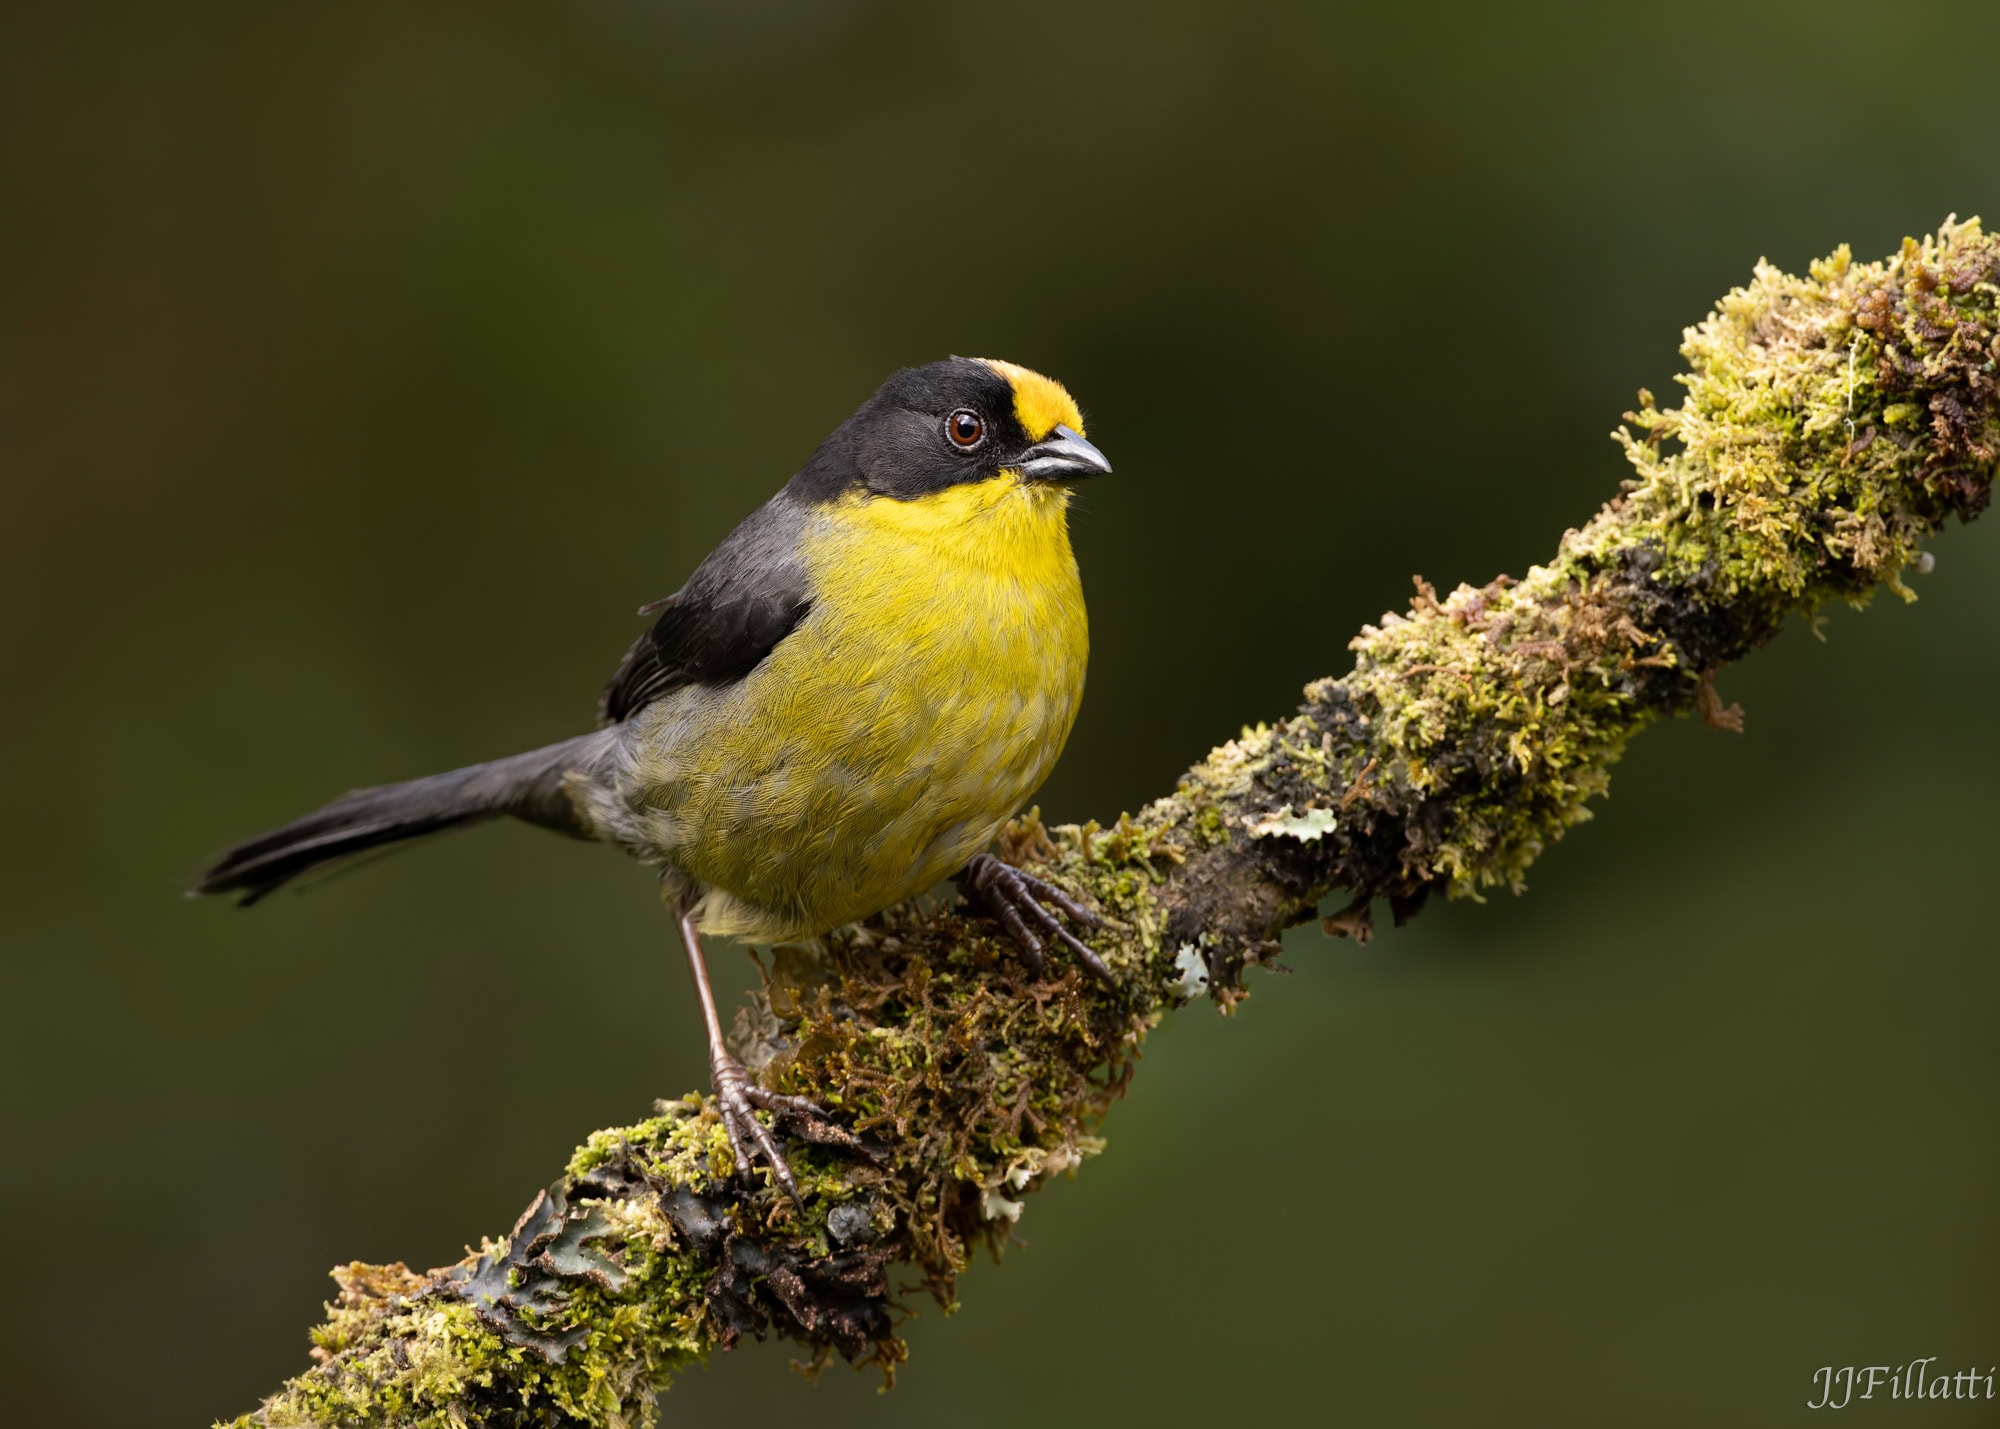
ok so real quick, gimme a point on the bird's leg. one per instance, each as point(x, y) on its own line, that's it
point(1017, 899)
point(736, 1094)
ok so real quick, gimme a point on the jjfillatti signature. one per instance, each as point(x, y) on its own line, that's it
point(1840, 1385)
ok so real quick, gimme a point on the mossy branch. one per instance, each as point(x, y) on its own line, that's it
point(1831, 423)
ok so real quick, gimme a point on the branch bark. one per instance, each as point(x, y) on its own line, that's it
point(1831, 423)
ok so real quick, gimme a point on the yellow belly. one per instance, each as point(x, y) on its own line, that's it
point(922, 700)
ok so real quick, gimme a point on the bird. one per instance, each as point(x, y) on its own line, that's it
point(838, 710)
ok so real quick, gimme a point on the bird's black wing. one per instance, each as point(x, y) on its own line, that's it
point(749, 594)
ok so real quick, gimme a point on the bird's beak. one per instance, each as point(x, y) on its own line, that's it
point(1065, 456)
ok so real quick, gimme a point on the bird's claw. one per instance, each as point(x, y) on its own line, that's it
point(739, 1099)
point(1021, 902)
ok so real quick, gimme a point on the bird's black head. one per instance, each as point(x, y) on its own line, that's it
point(948, 423)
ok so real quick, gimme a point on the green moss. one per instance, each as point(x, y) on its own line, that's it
point(1831, 423)
point(398, 1362)
point(984, 1077)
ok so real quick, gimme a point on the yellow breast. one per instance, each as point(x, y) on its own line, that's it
point(927, 694)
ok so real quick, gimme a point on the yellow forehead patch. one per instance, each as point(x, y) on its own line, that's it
point(1041, 403)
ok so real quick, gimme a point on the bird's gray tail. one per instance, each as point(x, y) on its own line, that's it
point(528, 786)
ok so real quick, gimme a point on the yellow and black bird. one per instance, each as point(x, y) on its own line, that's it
point(838, 710)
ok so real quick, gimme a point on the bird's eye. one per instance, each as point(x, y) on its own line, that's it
point(964, 428)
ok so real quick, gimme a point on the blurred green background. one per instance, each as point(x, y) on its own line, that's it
point(362, 367)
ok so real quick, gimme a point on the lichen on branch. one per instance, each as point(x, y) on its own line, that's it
point(1831, 423)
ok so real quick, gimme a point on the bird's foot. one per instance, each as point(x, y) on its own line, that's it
point(1021, 902)
point(739, 1099)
